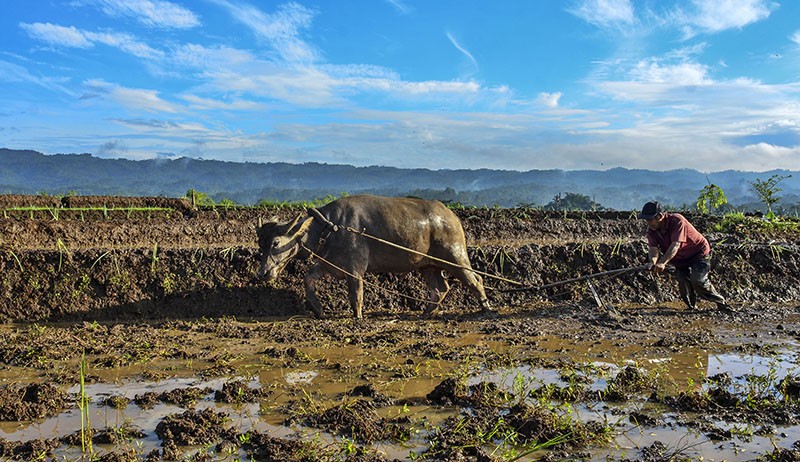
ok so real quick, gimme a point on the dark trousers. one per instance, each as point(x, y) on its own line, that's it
point(693, 282)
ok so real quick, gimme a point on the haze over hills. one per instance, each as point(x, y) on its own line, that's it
point(31, 172)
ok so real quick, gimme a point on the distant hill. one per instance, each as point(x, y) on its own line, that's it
point(31, 172)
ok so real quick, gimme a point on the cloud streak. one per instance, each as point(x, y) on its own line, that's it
point(132, 98)
point(152, 13)
point(605, 13)
point(464, 51)
point(72, 37)
point(281, 30)
point(54, 34)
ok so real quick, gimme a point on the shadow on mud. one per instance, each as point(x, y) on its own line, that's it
point(257, 301)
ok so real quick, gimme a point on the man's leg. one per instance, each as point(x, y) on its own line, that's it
point(685, 287)
point(702, 285)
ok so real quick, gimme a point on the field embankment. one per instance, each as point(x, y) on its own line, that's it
point(118, 258)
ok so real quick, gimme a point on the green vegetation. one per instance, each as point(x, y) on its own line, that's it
point(572, 201)
point(319, 202)
point(767, 191)
point(711, 198)
point(738, 222)
point(199, 199)
point(86, 425)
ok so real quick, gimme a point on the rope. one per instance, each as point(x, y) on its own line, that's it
point(611, 273)
point(335, 228)
point(616, 272)
point(364, 281)
point(398, 246)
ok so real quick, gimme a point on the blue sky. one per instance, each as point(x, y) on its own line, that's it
point(573, 84)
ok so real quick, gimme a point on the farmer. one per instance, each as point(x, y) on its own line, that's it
point(672, 239)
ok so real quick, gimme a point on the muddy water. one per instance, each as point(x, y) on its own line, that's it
point(319, 374)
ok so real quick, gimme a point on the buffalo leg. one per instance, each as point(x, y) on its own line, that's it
point(474, 283)
point(437, 288)
point(313, 275)
point(355, 289)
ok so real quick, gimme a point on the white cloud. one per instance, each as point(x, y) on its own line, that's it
point(795, 37)
point(57, 35)
point(678, 74)
point(605, 13)
point(150, 125)
point(549, 99)
point(714, 16)
point(201, 57)
point(126, 43)
point(281, 29)
point(197, 102)
point(14, 73)
point(763, 154)
point(429, 87)
point(306, 87)
point(717, 15)
point(72, 37)
point(153, 13)
point(131, 98)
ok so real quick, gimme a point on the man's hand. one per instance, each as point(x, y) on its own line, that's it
point(656, 267)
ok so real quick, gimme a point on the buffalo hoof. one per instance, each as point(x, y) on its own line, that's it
point(316, 313)
point(428, 308)
point(488, 312)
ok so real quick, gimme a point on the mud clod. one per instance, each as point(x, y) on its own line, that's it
point(356, 419)
point(34, 401)
point(238, 391)
point(191, 428)
point(36, 449)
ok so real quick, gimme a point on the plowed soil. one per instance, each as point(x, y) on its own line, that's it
point(135, 282)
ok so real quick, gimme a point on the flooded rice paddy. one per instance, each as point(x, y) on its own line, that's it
point(189, 357)
point(260, 386)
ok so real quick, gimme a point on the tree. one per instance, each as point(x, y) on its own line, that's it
point(767, 190)
point(572, 201)
point(711, 198)
point(199, 198)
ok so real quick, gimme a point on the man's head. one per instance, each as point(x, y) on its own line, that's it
point(653, 213)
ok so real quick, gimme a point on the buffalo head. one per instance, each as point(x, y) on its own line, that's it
point(279, 243)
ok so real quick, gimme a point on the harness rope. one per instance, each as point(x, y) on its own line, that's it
point(332, 228)
point(364, 281)
point(392, 244)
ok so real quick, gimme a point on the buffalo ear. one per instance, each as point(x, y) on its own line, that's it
point(303, 228)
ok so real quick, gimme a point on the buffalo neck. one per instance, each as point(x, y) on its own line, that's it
point(310, 240)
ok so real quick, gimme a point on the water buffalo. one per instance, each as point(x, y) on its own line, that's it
point(333, 232)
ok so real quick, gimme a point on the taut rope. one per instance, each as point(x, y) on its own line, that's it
point(398, 246)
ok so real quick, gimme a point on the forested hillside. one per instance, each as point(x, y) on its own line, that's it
point(31, 172)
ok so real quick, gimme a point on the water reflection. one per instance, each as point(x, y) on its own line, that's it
point(685, 370)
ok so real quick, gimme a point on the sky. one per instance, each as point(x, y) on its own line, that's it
point(709, 85)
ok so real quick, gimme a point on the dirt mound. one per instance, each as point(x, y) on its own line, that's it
point(8, 201)
point(117, 202)
point(205, 263)
point(34, 401)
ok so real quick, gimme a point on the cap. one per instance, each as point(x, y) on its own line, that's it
point(650, 210)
